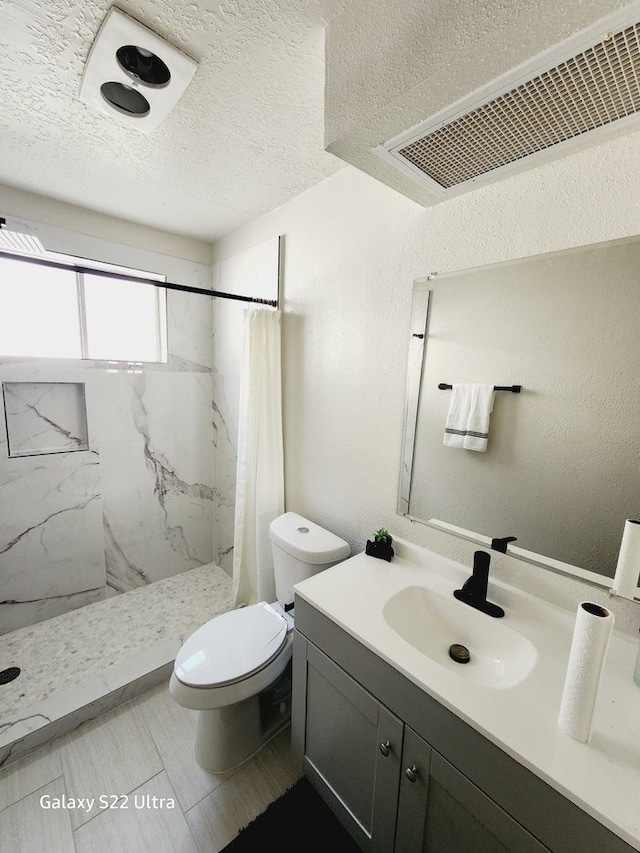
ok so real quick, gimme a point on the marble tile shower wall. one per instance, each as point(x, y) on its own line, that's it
point(136, 506)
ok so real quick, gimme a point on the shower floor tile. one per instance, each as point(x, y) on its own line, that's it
point(80, 658)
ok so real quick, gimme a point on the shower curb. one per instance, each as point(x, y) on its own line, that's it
point(66, 709)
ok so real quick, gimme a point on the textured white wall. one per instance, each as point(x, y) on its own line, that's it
point(352, 250)
point(78, 220)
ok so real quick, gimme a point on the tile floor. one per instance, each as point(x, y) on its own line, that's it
point(123, 772)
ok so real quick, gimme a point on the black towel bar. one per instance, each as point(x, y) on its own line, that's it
point(515, 389)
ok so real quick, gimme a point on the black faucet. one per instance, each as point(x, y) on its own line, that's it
point(474, 589)
point(502, 544)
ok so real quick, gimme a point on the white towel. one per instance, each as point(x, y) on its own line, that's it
point(467, 423)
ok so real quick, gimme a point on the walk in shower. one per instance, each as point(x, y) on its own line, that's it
point(111, 412)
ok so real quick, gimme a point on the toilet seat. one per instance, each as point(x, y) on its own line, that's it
point(209, 698)
point(231, 647)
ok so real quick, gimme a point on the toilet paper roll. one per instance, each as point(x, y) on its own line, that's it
point(591, 636)
point(628, 567)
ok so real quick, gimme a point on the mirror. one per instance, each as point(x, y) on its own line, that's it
point(561, 471)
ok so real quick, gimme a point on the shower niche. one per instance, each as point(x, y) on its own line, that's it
point(45, 417)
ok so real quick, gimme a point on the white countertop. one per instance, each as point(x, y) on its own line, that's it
point(602, 777)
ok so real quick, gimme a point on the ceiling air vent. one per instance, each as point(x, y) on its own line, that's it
point(585, 86)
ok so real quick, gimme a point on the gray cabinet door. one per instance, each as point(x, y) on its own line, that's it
point(352, 749)
point(414, 793)
point(441, 811)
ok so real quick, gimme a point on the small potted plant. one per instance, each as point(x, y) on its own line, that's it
point(381, 545)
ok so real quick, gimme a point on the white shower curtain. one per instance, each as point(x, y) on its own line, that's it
point(260, 468)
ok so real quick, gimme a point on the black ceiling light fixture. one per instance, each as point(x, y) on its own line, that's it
point(132, 74)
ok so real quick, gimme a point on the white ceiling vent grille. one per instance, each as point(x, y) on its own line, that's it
point(588, 91)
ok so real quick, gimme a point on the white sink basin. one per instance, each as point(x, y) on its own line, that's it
point(499, 656)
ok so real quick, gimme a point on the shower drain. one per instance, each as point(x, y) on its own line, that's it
point(7, 675)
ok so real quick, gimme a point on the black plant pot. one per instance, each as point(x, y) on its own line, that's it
point(381, 549)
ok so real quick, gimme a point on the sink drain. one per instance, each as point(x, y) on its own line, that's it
point(459, 653)
point(10, 674)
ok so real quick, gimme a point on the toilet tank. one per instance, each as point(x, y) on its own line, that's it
point(301, 549)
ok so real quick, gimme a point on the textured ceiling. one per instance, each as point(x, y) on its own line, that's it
point(246, 137)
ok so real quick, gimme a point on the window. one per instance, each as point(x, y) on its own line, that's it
point(55, 312)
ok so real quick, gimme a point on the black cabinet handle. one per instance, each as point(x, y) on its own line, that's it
point(411, 773)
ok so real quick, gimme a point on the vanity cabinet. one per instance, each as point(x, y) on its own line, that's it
point(389, 787)
point(403, 773)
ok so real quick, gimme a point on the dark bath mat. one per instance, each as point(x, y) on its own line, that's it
point(299, 814)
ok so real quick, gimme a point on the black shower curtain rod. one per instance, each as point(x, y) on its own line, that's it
point(167, 285)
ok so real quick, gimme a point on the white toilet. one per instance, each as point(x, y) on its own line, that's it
point(236, 670)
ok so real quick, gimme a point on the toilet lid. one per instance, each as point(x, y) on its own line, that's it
point(231, 647)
